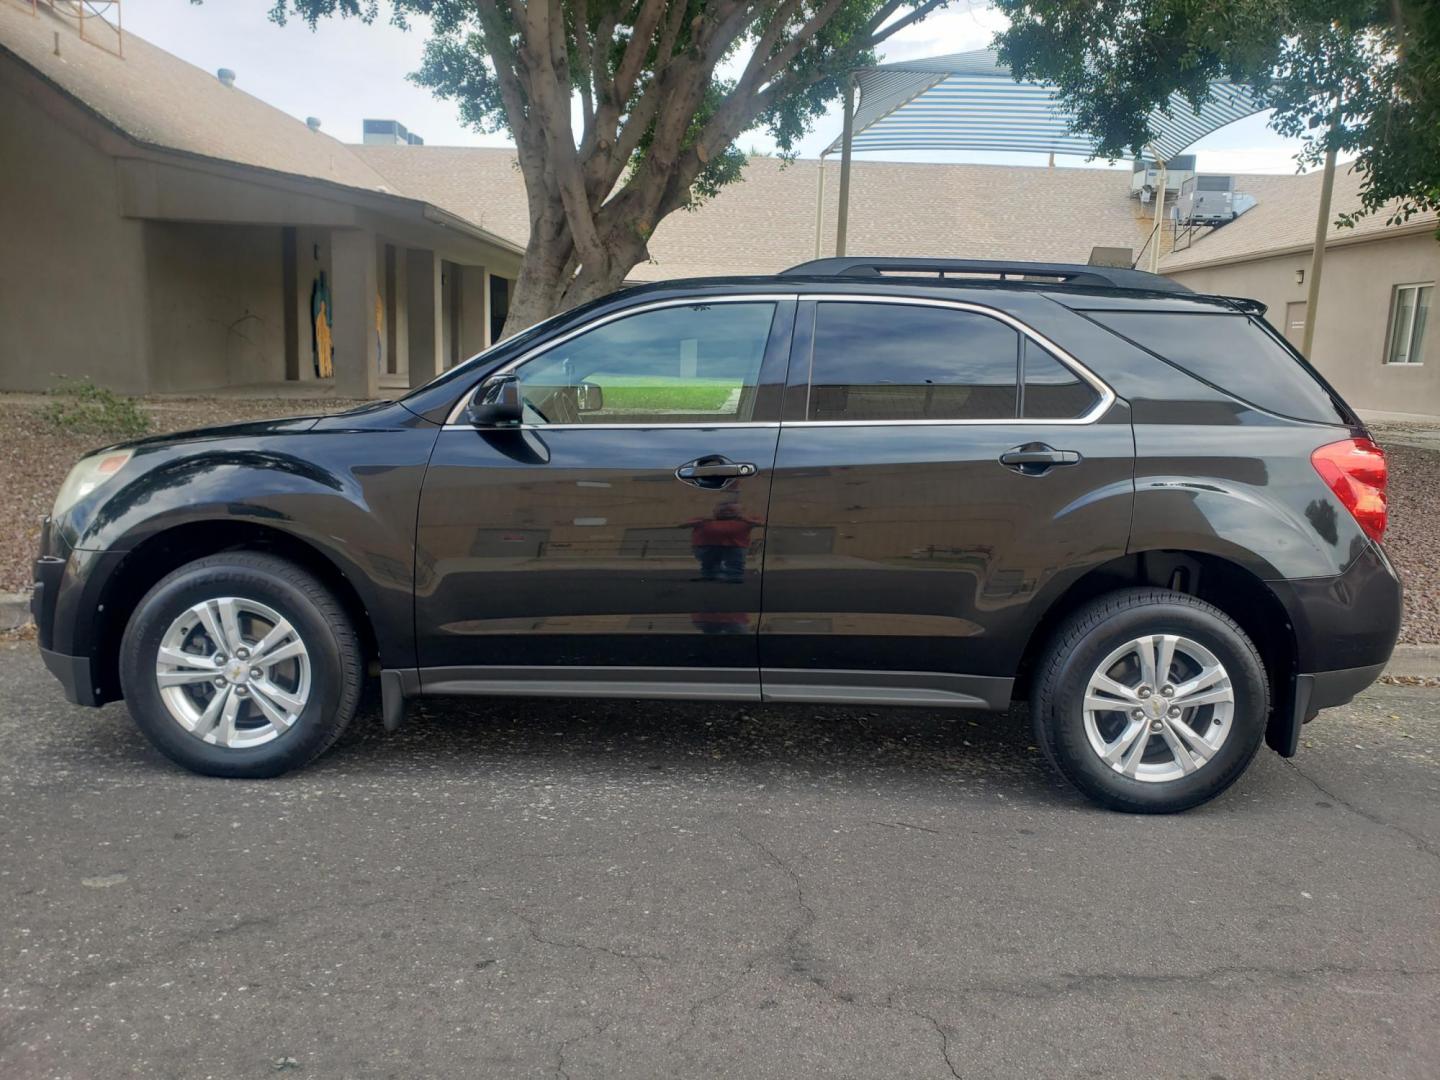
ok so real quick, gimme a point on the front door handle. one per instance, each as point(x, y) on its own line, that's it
point(1032, 459)
point(713, 471)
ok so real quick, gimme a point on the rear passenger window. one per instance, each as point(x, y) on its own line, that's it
point(908, 362)
point(1233, 353)
point(1053, 391)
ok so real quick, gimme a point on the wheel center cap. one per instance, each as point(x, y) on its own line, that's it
point(1156, 707)
point(237, 671)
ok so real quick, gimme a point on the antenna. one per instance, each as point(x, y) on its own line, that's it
point(98, 22)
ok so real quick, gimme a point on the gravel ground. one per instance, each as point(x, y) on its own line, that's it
point(38, 455)
point(1410, 538)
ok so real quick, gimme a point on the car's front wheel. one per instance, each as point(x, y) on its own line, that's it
point(241, 664)
point(1150, 701)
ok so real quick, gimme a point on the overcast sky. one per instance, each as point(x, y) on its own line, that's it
point(346, 71)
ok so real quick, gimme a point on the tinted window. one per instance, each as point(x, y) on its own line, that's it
point(899, 362)
point(1233, 353)
point(1053, 391)
point(689, 364)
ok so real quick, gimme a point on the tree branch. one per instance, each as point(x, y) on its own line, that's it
point(873, 26)
point(633, 59)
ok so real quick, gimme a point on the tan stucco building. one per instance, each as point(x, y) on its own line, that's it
point(165, 231)
point(1377, 285)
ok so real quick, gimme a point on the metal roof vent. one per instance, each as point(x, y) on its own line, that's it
point(313, 123)
point(226, 77)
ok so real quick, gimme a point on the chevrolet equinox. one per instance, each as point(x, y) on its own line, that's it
point(932, 483)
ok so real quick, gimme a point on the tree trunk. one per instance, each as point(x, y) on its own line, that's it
point(535, 296)
point(548, 282)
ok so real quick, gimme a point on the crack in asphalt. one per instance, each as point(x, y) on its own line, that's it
point(634, 958)
point(560, 1049)
point(944, 1044)
point(907, 825)
point(1419, 841)
point(800, 962)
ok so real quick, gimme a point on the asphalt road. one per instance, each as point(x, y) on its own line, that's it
point(582, 889)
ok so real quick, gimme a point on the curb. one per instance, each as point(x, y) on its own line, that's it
point(1414, 661)
point(14, 610)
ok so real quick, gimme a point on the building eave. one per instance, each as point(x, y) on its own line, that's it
point(428, 211)
point(1395, 232)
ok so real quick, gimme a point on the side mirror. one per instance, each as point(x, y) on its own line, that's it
point(496, 403)
point(589, 397)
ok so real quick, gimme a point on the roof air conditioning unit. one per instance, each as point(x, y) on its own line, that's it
point(1145, 174)
point(1207, 200)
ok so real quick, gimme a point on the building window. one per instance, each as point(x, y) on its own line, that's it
point(1409, 311)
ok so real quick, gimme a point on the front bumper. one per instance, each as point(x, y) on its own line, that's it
point(67, 604)
point(74, 675)
point(73, 671)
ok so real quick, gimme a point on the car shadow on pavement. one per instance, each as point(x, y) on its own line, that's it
point(893, 747)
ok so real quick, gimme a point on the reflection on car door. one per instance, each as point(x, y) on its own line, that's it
point(613, 541)
point(938, 471)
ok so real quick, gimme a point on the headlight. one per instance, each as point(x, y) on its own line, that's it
point(87, 475)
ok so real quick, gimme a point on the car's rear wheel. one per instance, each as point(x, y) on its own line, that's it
point(241, 664)
point(1150, 701)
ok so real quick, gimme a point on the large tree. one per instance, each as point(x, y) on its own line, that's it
point(661, 89)
point(1354, 75)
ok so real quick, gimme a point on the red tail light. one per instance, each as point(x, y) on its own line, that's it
point(1355, 470)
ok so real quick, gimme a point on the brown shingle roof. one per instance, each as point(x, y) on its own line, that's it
point(484, 186)
point(1283, 219)
point(766, 222)
point(160, 100)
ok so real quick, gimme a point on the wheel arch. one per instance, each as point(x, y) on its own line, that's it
point(165, 551)
point(1230, 586)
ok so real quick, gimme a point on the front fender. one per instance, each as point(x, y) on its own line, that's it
point(349, 493)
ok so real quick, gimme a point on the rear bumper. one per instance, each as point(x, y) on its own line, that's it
point(1330, 688)
point(1345, 629)
point(1345, 622)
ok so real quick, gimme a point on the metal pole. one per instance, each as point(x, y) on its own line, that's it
point(847, 137)
point(820, 206)
point(1317, 257)
point(1159, 233)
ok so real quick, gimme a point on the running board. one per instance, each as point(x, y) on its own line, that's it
point(928, 689)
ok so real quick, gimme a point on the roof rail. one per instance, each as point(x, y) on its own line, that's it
point(1067, 273)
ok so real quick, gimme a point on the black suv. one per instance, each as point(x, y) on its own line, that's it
point(869, 481)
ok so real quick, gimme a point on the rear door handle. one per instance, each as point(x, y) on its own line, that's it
point(1032, 459)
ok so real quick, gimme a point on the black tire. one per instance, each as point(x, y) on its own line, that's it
point(336, 660)
point(1083, 642)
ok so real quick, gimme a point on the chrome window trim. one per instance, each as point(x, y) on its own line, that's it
point(1107, 397)
point(625, 426)
point(453, 419)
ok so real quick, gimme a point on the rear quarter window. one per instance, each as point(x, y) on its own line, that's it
point(1232, 353)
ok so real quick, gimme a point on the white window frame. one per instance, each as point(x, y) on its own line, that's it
point(1412, 356)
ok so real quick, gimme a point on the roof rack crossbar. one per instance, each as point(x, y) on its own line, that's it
point(1112, 277)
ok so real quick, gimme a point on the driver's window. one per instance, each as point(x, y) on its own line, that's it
point(693, 363)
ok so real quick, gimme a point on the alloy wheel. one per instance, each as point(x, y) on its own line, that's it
point(1159, 708)
point(233, 672)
